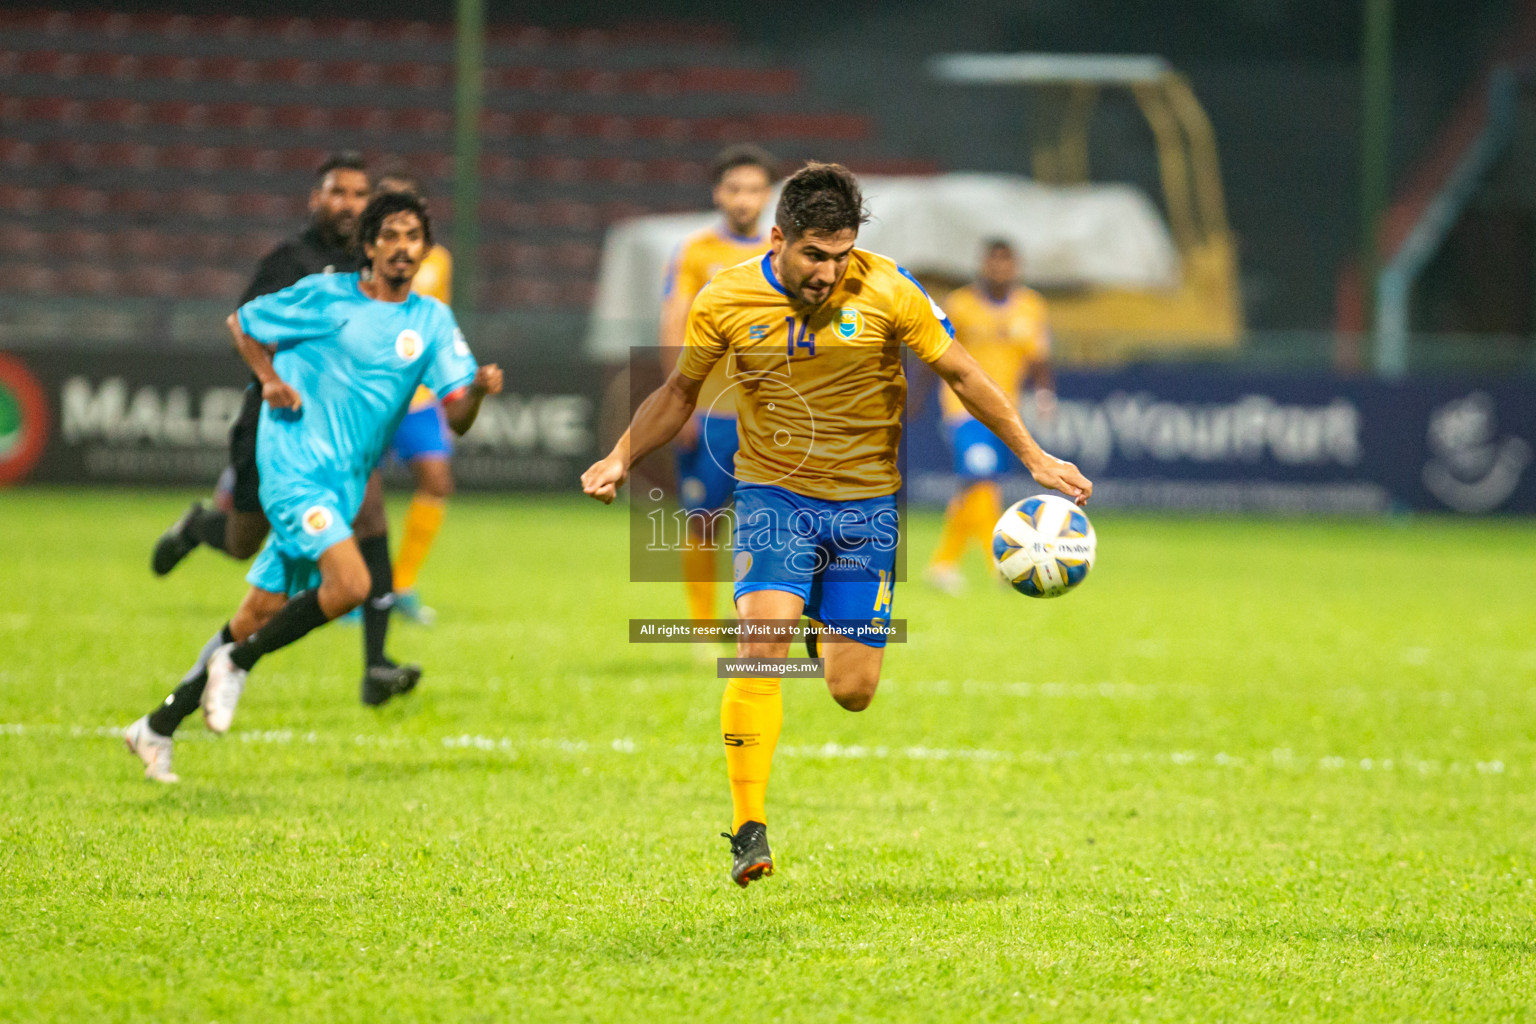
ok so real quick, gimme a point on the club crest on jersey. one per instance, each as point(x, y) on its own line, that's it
point(317, 520)
point(408, 345)
point(460, 346)
point(742, 565)
point(849, 323)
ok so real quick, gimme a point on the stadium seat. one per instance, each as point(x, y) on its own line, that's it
point(292, 71)
point(139, 244)
point(81, 244)
point(16, 154)
point(214, 283)
point(120, 112)
point(25, 201)
point(88, 279)
point(152, 281)
point(31, 278)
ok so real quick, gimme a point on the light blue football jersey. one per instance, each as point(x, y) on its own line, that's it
point(355, 362)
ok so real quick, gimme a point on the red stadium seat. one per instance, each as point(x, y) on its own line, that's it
point(499, 166)
point(18, 239)
point(309, 120)
point(88, 279)
point(576, 294)
point(79, 243)
point(32, 279)
point(152, 281)
point(40, 62)
point(204, 248)
point(570, 214)
point(123, 112)
point(26, 201)
point(292, 71)
point(125, 67)
point(77, 200)
point(301, 159)
point(355, 73)
point(249, 249)
point(17, 154)
point(424, 121)
point(620, 209)
point(576, 256)
point(139, 244)
point(675, 130)
point(214, 283)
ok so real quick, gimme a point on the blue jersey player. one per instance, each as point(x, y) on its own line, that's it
point(338, 357)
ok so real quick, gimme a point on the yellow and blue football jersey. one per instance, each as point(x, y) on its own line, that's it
point(820, 390)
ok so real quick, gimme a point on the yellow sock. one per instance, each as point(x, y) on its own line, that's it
point(422, 521)
point(956, 532)
point(751, 714)
point(699, 580)
point(984, 506)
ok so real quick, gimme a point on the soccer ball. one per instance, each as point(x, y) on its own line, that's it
point(1043, 545)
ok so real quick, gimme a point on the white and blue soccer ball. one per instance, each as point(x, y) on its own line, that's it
point(1043, 545)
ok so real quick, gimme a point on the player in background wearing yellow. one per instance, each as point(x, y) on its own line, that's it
point(813, 334)
point(1003, 325)
point(705, 448)
point(423, 441)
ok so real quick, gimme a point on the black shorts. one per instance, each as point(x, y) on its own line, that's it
point(242, 452)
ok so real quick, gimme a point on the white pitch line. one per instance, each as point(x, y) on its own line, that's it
point(1280, 759)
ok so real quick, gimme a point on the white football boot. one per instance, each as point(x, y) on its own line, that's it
point(226, 681)
point(153, 749)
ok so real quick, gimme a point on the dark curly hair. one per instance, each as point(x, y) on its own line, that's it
point(820, 197)
point(385, 205)
point(744, 155)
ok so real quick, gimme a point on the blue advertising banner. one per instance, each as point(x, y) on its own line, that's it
point(1208, 439)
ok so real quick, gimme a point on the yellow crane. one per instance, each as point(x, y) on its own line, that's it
point(1102, 324)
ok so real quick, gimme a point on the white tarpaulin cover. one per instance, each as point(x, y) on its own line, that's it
point(1070, 236)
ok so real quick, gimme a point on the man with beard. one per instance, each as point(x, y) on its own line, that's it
point(325, 247)
point(337, 358)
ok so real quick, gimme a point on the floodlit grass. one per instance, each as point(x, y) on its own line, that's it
point(1252, 770)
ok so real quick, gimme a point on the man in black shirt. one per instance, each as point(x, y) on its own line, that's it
point(325, 247)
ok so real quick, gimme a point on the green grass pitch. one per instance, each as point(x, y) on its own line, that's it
point(1251, 770)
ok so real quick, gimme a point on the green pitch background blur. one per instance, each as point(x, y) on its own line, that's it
point(1251, 770)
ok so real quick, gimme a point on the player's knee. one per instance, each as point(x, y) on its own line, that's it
point(348, 589)
point(853, 692)
point(770, 648)
point(435, 480)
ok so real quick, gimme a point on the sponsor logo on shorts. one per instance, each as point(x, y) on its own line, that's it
point(849, 323)
point(317, 520)
point(408, 344)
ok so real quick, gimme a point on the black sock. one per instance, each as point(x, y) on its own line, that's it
point(186, 697)
point(210, 526)
point(381, 598)
point(293, 621)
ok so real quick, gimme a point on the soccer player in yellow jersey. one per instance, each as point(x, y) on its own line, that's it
point(812, 335)
point(1003, 325)
point(423, 441)
point(706, 446)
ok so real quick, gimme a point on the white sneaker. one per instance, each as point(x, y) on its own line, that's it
point(945, 578)
point(153, 749)
point(226, 681)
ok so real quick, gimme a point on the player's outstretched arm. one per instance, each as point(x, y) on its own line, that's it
point(274, 391)
point(656, 422)
point(986, 401)
point(461, 409)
